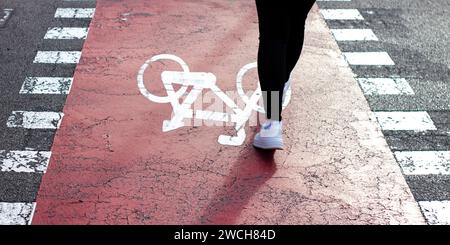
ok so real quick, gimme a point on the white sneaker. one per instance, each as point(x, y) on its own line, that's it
point(270, 136)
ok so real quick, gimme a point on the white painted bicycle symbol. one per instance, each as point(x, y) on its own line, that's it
point(200, 81)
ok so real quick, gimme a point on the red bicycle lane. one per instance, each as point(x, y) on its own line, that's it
point(112, 163)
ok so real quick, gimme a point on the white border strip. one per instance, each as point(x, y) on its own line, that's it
point(402, 120)
point(35, 120)
point(16, 213)
point(341, 14)
point(66, 33)
point(369, 58)
point(46, 85)
point(436, 212)
point(424, 162)
point(354, 35)
point(385, 86)
point(57, 57)
point(75, 13)
point(24, 161)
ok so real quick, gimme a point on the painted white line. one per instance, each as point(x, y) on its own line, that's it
point(424, 162)
point(436, 212)
point(24, 161)
point(57, 57)
point(399, 120)
point(354, 35)
point(16, 213)
point(35, 120)
point(67, 33)
point(341, 14)
point(74, 12)
point(212, 116)
point(46, 85)
point(384, 86)
point(368, 58)
point(196, 79)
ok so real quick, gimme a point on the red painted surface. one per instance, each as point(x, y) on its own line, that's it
point(111, 162)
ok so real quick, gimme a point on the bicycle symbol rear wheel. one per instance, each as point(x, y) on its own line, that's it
point(148, 64)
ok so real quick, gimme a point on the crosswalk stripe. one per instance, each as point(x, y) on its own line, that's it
point(384, 86)
point(354, 35)
point(16, 213)
point(24, 161)
point(35, 120)
point(57, 57)
point(424, 162)
point(402, 120)
point(66, 33)
point(341, 14)
point(369, 58)
point(74, 12)
point(436, 212)
point(46, 85)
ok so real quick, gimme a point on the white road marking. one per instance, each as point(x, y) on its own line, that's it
point(148, 64)
point(436, 212)
point(212, 116)
point(197, 79)
point(46, 85)
point(424, 162)
point(74, 12)
point(35, 120)
point(399, 120)
point(354, 35)
point(369, 58)
point(341, 14)
point(383, 86)
point(24, 161)
point(16, 213)
point(67, 33)
point(200, 81)
point(57, 57)
point(334, 0)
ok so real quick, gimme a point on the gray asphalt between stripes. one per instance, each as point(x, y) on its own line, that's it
point(416, 34)
point(19, 187)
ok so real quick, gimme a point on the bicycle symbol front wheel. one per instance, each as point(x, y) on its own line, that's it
point(240, 76)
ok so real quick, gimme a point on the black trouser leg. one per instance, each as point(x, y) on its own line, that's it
point(281, 27)
point(296, 37)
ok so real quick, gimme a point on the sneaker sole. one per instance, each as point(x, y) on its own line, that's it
point(278, 146)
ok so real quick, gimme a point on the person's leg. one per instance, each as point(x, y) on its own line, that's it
point(273, 40)
point(279, 49)
point(297, 17)
point(274, 34)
